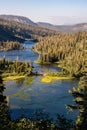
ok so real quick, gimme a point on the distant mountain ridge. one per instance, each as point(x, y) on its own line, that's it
point(16, 31)
point(19, 19)
point(65, 28)
point(59, 28)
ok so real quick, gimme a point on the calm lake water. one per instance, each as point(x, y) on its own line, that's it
point(30, 94)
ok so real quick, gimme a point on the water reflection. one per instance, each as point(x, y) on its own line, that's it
point(29, 80)
point(22, 93)
point(20, 81)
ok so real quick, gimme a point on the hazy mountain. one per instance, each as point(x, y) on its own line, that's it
point(58, 28)
point(16, 31)
point(19, 19)
point(64, 28)
point(46, 25)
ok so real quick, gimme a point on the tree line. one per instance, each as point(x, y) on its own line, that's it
point(69, 51)
point(10, 45)
point(15, 67)
point(80, 103)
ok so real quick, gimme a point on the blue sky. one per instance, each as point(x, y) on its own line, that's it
point(53, 11)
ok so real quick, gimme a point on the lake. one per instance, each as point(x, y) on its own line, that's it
point(30, 94)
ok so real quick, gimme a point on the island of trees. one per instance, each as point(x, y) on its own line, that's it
point(11, 45)
point(15, 69)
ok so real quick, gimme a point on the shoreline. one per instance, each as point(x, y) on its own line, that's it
point(16, 77)
point(49, 79)
point(9, 78)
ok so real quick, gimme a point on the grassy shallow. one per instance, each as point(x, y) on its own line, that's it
point(48, 79)
point(55, 76)
point(13, 77)
point(41, 62)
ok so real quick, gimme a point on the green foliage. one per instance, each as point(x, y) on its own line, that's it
point(69, 51)
point(59, 74)
point(15, 67)
point(5, 122)
point(42, 121)
point(10, 45)
point(63, 123)
point(80, 95)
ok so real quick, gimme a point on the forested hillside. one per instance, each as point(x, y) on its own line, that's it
point(20, 19)
point(13, 31)
point(68, 50)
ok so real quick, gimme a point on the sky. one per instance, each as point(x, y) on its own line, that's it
point(58, 12)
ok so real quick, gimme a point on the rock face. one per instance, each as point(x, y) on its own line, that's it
point(19, 19)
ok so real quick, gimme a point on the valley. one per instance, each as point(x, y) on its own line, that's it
point(43, 69)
